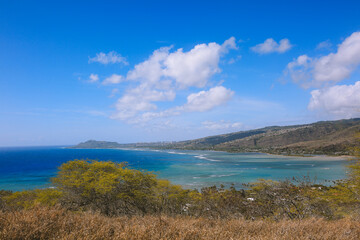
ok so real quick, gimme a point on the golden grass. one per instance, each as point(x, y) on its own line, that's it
point(52, 223)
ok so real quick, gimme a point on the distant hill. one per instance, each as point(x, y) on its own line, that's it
point(326, 137)
point(104, 145)
point(97, 144)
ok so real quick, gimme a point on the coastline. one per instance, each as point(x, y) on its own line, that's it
point(319, 157)
point(312, 157)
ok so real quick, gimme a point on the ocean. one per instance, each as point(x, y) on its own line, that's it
point(23, 168)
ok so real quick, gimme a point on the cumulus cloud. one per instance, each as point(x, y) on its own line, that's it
point(299, 70)
point(113, 79)
point(150, 70)
point(188, 69)
point(93, 78)
point(222, 125)
point(340, 100)
point(195, 67)
point(332, 68)
point(207, 100)
point(131, 104)
point(140, 99)
point(166, 72)
point(270, 46)
point(107, 58)
point(229, 44)
point(338, 66)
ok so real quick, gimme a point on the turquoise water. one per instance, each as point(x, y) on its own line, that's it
point(32, 167)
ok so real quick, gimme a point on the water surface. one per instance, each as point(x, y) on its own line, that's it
point(32, 167)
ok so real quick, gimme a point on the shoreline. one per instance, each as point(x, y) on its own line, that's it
point(318, 157)
point(310, 157)
point(315, 157)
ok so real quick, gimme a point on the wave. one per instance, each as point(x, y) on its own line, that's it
point(205, 158)
point(180, 153)
point(222, 175)
point(172, 152)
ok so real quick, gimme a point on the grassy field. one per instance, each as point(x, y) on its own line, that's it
point(55, 223)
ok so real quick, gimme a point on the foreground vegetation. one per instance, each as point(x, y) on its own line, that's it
point(107, 200)
point(54, 223)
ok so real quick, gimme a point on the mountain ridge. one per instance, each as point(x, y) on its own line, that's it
point(324, 137)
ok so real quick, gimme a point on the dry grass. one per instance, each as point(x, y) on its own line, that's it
point(53, 223)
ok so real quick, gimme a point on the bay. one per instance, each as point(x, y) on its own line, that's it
point(23, 168)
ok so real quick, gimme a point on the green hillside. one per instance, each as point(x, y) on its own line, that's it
point(326, 137)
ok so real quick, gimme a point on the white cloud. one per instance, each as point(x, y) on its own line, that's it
point(207, 100)
point(151, 70)
point(140, 99)
point(113, 79)
point(130, 105)
point(331, 68)
point(188, 69)
point(222, 125)
point(299, 70)
point(338, 66)
point(270, 46)
point(193, 68)
point(164, 73)
point(340, 100)
point(229, 44)
point(106, 58)
point(93, 78)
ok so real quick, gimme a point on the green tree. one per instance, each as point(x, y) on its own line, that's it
point(108, 187)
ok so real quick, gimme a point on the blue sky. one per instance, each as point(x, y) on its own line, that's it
point(132, 71)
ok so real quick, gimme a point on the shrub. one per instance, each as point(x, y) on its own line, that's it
point(114, 189)
point(31, 198)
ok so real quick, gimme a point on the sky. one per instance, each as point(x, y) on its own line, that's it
point(141, 71)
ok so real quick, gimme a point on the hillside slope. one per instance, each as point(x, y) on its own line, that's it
point(327, 137)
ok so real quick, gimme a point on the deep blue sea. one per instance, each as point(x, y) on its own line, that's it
point(32, 167)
